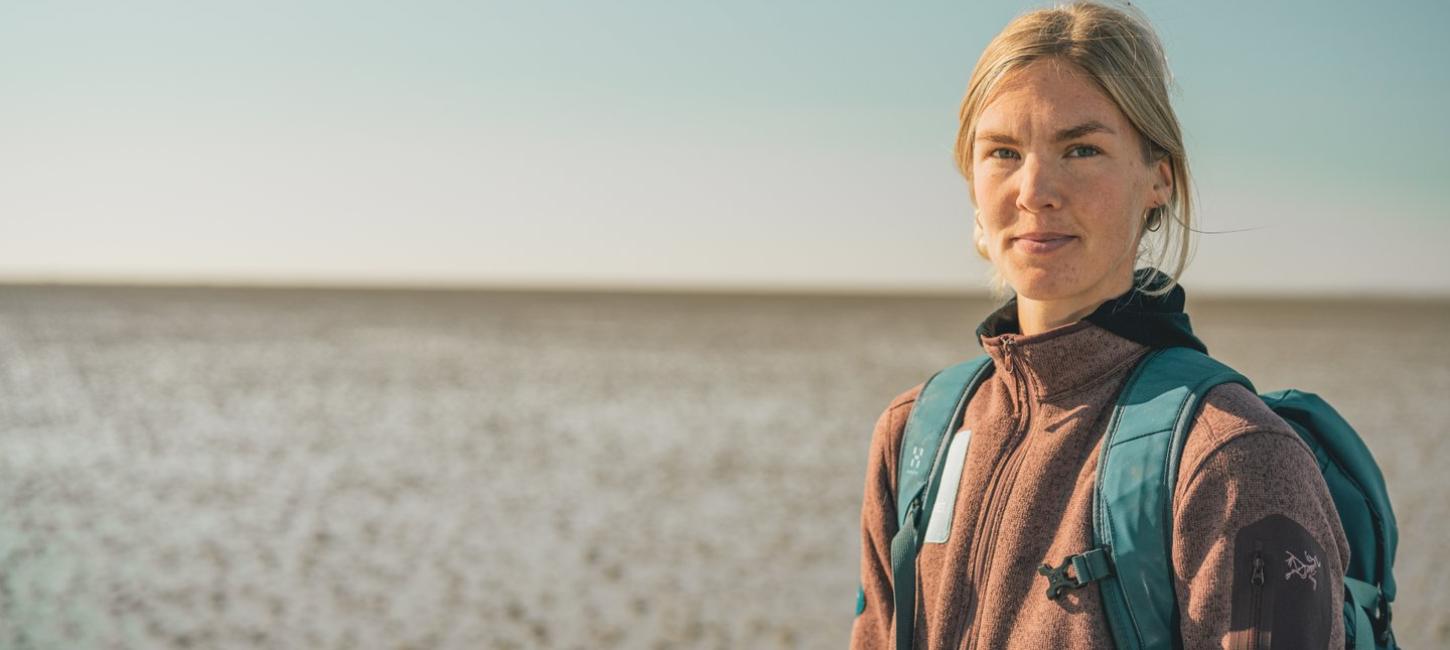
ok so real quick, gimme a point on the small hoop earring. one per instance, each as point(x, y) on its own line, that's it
point(1155, 219)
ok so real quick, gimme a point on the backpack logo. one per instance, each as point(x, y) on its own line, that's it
point(916, 457)
point(1302, 569)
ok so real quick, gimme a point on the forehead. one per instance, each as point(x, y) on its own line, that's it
point(1049, 94)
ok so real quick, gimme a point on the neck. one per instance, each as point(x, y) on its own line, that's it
point(1036, 316)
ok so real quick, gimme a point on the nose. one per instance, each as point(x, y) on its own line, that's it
point(1038, 190)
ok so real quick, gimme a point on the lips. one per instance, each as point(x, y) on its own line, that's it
point(1041, 243)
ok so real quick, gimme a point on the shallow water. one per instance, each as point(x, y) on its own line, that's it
point(206, 468)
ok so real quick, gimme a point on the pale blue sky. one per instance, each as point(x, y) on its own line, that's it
point(740, 144)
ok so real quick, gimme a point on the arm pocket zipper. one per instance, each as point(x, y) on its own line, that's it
point(1259, 634)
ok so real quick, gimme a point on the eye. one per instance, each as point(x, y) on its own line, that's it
point(1083, 151)
point(1005, 154)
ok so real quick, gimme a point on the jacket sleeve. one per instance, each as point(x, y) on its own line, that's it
point(1258, 548)
point(872, 627)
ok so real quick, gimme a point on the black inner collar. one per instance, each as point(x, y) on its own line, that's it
point(1154, 321)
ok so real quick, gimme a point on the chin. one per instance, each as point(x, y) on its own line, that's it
point(1043, 284)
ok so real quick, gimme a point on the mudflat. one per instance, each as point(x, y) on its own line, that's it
point(268, 468)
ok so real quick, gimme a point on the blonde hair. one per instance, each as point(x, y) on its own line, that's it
point(1118, 50)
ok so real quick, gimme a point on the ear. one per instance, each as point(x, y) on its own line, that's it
point(1162, 180)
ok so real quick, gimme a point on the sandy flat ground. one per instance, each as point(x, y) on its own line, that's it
point(202, 468)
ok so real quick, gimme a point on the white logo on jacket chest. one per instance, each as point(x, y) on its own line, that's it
point(1304, 569)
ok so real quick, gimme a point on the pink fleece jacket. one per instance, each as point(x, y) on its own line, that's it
point(1247, 488)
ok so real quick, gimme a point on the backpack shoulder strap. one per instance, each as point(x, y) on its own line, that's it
point(936, 414)
point(938, 406)
point(1132, 500)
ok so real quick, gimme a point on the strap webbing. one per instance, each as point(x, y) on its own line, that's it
point(1091, 566)
point(1361, 597)
point(903, 572)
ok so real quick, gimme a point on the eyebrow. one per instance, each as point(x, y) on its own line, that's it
point(1083, 129)
point(1070, 133)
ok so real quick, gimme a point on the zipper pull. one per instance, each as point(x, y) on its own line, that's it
point(1007, 343)
point(1258, 578)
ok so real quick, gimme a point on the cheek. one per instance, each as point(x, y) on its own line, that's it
point(1108, 202)
point(980, 184)
point(989, 192)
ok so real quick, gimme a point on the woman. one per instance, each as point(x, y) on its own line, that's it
point(1078, 172)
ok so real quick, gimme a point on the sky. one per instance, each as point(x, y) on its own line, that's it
point(719, 145)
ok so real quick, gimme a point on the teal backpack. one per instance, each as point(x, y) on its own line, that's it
point(1132, 513)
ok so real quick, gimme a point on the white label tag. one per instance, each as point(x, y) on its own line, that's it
point(940, 524)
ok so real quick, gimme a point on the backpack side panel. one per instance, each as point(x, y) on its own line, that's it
point(1355, 483)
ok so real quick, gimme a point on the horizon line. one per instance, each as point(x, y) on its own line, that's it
point(644, 288)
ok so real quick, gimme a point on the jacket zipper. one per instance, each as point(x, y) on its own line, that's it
point(1003, 482)
point(1250, 641)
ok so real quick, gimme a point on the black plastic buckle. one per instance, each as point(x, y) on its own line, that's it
point(1058, 579)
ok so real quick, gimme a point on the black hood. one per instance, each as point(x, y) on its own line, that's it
point(1157, 322)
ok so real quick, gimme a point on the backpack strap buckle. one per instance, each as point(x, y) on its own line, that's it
point(1087, 567)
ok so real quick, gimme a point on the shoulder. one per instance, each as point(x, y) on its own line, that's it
point(890, 426)
point(1234, 422)
point(904, 400)
point(1229, 413)
point(892, 422)
point(1229, 410)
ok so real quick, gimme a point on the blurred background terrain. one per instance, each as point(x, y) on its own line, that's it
point(230, 468)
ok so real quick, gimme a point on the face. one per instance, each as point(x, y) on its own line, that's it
point(1062, 186)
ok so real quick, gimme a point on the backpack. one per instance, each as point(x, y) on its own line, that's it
point(1132, 509)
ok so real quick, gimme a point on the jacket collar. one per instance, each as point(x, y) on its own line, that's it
point(1076, 354)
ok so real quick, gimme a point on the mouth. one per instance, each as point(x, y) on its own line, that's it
point(1042, 243)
